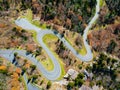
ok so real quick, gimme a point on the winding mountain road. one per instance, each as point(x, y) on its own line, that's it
point(56, 72)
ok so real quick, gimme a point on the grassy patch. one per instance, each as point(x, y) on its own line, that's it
point(29, 16)
point(48, 64)
point(36, 23)
point(61, 65)
point(68, 41)
point(34, 35)
point(82, 51)
point(47, 38)
point(101, 3)
point(44, 26)
point(25, 86)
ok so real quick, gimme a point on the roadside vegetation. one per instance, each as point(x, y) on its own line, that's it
point(78, 15)
point(45, 61)
point(106, 72)
point(50, 40)
point(9, 73)
point(28, 14)
point(105, 34)
point(62, 16)
point(18, 38)
point(34, 76)
point(75, 40)
point(109, 43)
point(78, 82)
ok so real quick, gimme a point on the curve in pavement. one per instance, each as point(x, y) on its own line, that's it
point(55, 73)
point(51, 75)
point(10, 57)
point(40, 33)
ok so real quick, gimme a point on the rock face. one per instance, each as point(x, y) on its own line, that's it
point(107, 40)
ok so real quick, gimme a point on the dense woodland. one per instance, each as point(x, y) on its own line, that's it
point(114, 6)
point(106, 71)
point(109, 43)
point(105, 36)
point(73, 15)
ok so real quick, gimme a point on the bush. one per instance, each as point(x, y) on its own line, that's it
point(80, 75)
point(4, 72)
point(33, 67)
point(23, 71)
point(112, 46)
point(15, 54)
point(34, 77)
point(48, 85)
point(99, 83)
point(78, 82)
point(80, 66)
point(70, 85)
point(20, 79)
